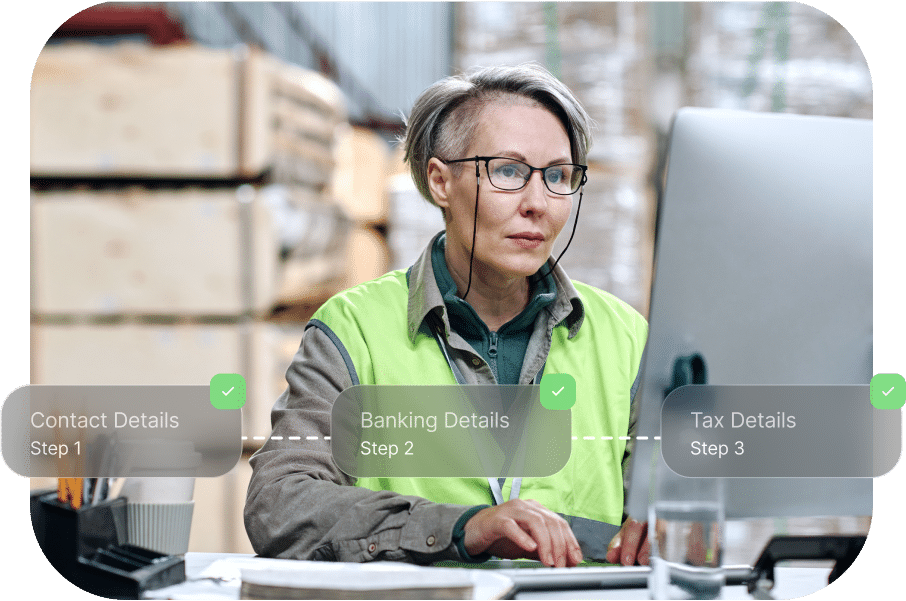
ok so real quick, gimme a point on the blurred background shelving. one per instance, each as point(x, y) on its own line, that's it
point(205, 175)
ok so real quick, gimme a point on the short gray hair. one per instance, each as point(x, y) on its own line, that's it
point(444, 117)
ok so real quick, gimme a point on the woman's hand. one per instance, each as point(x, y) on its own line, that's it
point(523, 528)
point(630, 545)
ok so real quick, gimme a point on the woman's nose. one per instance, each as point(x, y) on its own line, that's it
point(535, 193)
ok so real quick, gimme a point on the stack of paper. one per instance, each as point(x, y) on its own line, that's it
point(378, 582)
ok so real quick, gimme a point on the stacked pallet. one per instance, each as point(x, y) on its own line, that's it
point(179, 194)
point(771, 56)
point(360, 186)
point(180, 112)
point(190, 209)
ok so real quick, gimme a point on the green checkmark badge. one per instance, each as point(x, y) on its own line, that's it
point(228, 391)
point(558, 391)
point(888, 391)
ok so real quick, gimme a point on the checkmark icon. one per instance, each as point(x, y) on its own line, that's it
point(227, 391)
point(558, 391)
point(887, 391)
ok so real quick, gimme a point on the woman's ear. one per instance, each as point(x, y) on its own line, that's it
point(439, 182)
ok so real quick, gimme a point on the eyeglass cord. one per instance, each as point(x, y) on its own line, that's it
point(568, 242)
point(475, 228)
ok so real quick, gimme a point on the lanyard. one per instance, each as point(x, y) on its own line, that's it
point(498, 493)
point(496, 489)
point(593, 536)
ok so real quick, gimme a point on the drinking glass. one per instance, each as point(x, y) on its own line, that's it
point(686, 527)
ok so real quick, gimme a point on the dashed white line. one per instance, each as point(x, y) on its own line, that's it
point(328, 438)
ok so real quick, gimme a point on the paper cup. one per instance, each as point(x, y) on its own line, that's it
point(161, 527)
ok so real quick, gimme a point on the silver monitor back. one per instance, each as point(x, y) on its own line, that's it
point(763, 265)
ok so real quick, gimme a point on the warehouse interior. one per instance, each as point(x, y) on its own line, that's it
point(205, 175)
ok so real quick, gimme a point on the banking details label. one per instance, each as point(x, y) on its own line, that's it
point(448, 431)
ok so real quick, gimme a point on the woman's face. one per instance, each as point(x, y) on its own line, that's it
point(516, 229)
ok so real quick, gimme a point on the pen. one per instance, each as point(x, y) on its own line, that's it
point(69, 490)
point(116, 487)
point(102, 485)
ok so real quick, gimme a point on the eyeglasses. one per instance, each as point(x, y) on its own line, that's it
point(511, 175)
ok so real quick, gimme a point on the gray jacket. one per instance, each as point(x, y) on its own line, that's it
point(300, 505)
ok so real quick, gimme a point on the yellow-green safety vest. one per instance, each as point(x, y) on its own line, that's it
point(369, 325)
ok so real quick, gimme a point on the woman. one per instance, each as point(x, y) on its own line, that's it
point(501, 152)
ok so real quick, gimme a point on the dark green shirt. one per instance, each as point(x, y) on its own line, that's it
point(503, 350)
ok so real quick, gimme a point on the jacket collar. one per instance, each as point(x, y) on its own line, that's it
point(425, 297)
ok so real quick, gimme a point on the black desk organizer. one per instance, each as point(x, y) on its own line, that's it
point(88, 547)
point(842, 548)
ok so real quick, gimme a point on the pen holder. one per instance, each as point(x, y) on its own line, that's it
point(87, 547)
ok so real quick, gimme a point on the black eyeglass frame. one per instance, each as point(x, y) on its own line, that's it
point(532, 170)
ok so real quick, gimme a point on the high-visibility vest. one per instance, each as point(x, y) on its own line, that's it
point(369, 325)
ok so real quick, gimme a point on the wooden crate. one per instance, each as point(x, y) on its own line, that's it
point(367, 256)
point(312, 279)
point(361, 255)
point(316, 268)
point(164, 354)
point(360, 179)
point(179, 111)
point(142, 251)
point(217, 521)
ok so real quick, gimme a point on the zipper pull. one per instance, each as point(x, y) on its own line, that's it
point(492, 349)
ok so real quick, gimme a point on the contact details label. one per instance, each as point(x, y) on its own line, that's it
point(112, 431)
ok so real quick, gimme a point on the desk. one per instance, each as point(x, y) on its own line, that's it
point(792, 582)
point(197, 562)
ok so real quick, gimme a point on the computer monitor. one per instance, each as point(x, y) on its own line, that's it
point(763, 265)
